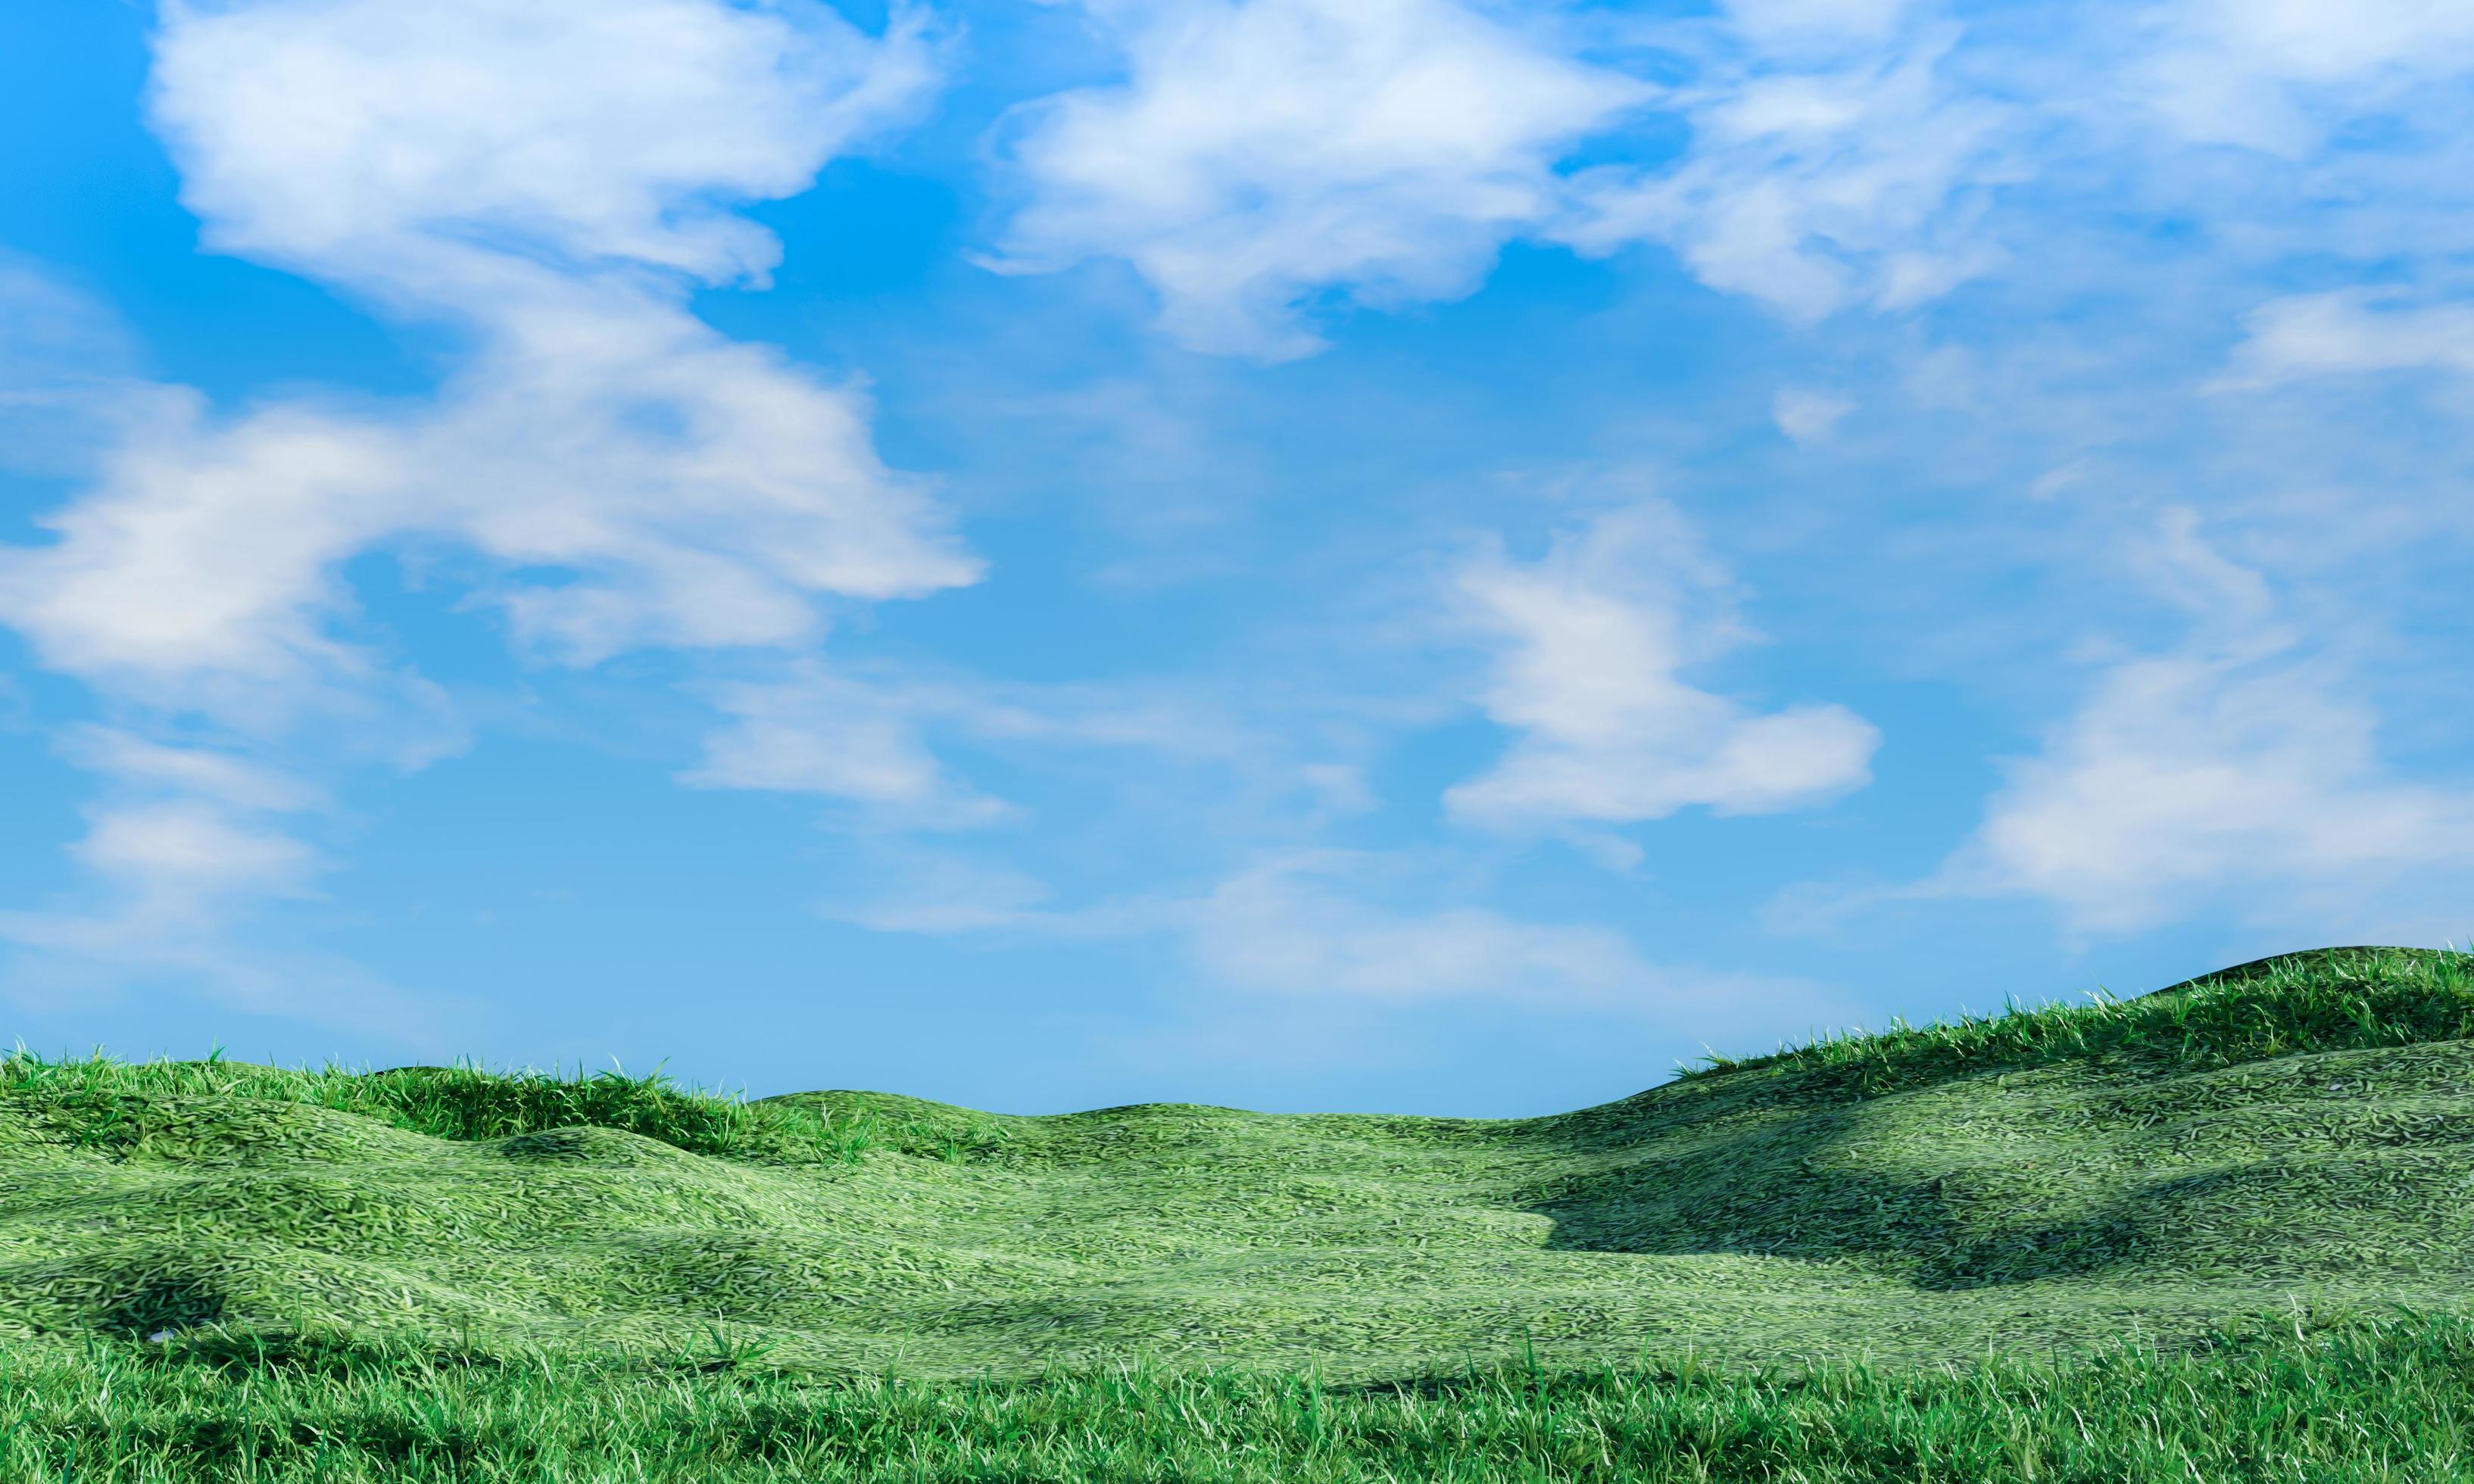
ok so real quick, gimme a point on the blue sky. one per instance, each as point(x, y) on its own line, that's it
point(1403, 554)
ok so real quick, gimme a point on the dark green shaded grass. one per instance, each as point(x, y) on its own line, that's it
point(2389, 1399)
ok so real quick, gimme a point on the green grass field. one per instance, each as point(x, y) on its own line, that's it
point(2230, 1224)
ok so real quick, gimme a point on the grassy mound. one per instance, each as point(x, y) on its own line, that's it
point(2293, 1131)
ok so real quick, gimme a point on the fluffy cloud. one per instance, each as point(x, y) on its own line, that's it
point(1262, 150)
point(220, 777)
point(183, 840)
point(611, 473)
point(1817, 181)
point(2235, 764)
point(1841, 154)
point(1591, 639)
point(2277, 75)
point(683, 489)
point(828, 735)
point(2350, 331)
point(445, 150)
point(676, 489)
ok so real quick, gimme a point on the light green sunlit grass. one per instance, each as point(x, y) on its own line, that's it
point(2369, 1400)
point(399, 1251)
point(2298, 1129)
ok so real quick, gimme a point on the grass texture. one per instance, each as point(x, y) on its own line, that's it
point(2292, 1132)
point(2390, 1401)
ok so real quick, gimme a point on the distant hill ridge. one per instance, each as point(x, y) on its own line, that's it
point(2294, 1132)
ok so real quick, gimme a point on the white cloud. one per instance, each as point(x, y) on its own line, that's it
point(217, 777)
point(1842, 154)
point(186, 844)
point(828, 735)
point(2183, 776)
point(1334, 924)
point(1817, 184)
point(871, 736)
point(67, 379)
point(686, 491)
point(184, 851)
point(1592, 637)
point(172, 871)
point(2276, 75)
point(1262, 150)
point(1807, 414)
point(519, 169)
point(1295, 926)
point(1343, 926)
point(2306, 42)
point(2237, 767)
point(446, 149)
point(609, 470)
point(2349, 332)
point(682, 489)
point(184, 839)
point(197, 554)
point(48, 328)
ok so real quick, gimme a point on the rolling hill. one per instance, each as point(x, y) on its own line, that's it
point(2293, 1132)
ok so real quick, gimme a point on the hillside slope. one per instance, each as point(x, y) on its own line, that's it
point(2296, 1130)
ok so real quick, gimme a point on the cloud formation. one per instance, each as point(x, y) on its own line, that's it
point(2349, 332)
point(1590, 640)
point(456, 159)
point(1301, 925)
point(1830, 166)
point(841, 739)
point(607, 471)
point(1260, 150)
point(446, 151)
point(2237, 763)
point(1262, 155)
point(65, 382)
point(1333, 925)
point(2279, 75)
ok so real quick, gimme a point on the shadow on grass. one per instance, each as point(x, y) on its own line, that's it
point(1816, 1171)
point(164, 1302)
point(1785, 1193)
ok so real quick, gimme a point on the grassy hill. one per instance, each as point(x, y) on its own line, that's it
point(2290, 1133)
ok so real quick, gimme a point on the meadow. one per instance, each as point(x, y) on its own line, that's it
point(2221, 1230)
